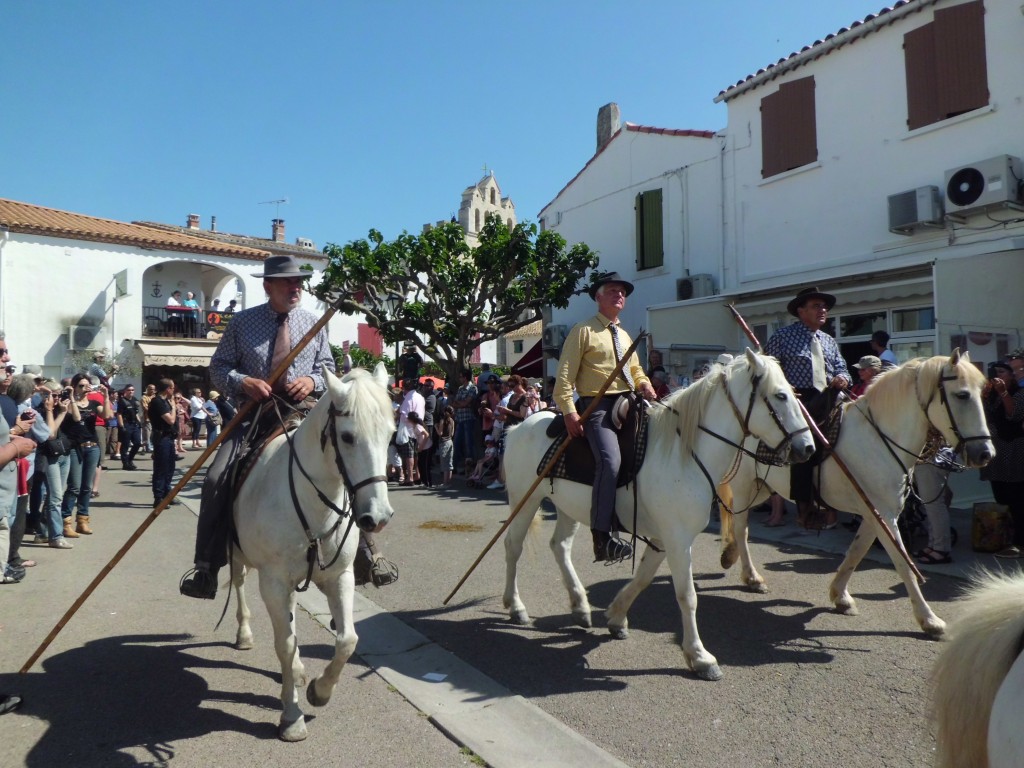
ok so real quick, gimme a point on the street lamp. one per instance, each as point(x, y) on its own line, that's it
point(392, 302)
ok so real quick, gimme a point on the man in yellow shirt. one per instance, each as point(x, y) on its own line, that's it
point(591, 352)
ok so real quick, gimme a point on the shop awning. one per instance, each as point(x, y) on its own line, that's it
point(180, 354)
point(531, 365)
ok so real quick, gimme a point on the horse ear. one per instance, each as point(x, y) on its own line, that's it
point(330, 379)
point(380, 374)
point(756, 364)
point(955, 357)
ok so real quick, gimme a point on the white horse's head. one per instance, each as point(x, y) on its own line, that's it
point(952, 388)
point(769, 406)
point(355, 427)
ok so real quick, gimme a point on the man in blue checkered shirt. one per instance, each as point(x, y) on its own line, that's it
point(793, 346)
point(240, 367)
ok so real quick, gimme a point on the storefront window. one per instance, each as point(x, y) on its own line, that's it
point(908, 320)
point(862, 325)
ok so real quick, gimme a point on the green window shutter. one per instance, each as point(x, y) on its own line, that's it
point(649, 243)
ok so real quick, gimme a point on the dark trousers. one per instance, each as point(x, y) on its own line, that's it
point(425, 464)
point(604, 444)
point(131, 443)
point(801, 476)
point(1012, 495)
point(215, 506)
point(163, 465)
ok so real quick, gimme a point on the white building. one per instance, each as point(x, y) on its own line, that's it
point(880, 164)
point(70, 283)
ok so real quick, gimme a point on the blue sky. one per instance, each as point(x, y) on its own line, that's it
point(373, 114)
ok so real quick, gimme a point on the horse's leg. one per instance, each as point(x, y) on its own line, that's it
point(280, 601)
point(618, 621)
point(514, 538)
point(243, 638)
point(926, 618)
point(727, 534)
point(680, 561)
point(561, 546)
point(749, 574)
point(339, 597)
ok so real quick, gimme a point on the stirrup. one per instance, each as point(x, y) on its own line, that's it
point(199, 584)
point(383, 572)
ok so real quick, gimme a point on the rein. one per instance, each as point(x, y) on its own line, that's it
point(314, 552)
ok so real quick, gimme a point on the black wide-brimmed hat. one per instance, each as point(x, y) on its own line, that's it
point(603, 278)
point(806, 295)
point(281, 266)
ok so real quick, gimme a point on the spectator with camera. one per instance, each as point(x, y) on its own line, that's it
point(1004, 410)
point(53, 462)
point(86, 414)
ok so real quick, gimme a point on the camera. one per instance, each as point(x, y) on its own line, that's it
point(65, 395)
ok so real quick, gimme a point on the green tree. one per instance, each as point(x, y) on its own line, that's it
point(361, 358)
point(450, 296)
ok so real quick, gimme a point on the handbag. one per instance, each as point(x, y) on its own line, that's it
point(56, 447)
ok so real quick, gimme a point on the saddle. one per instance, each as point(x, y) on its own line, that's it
point(828, 412)
point(577, 463)
point(265, 427)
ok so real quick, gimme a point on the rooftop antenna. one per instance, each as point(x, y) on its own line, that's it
point(277, 205)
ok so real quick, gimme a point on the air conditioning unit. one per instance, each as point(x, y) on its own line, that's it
point(83, 337)
point(553, 337)
point(694, 287)
point(921, 207)
point(992, 182)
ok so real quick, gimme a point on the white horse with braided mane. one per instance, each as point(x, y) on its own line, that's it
point(883, 434)
point(978, 679)
point(297, 516)
point(691, 444)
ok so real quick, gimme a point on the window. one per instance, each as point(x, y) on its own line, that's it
point(649, 248)
point(789, 134)
point(517, 347)
point(947, 73)
point(476, 220)
point(493, 199)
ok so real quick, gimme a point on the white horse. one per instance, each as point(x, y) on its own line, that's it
point(978, 679)
point(674, 489)
point(882, 436)
point(288, 509)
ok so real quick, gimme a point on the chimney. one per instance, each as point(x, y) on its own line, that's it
point(193, 221)
point(277, 230)
point(213, 223)
point(608, 124)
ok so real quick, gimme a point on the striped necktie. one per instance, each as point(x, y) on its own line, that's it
point(617, 346)
point(817, 365)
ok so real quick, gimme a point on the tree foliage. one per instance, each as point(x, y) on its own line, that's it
point(454, 297)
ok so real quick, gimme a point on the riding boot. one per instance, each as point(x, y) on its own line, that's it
point(608, 549)
point(69, 529)
point(200, 584)
point(83, 525)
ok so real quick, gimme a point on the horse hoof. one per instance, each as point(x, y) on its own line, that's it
point(757, 587)
point(711, 673)
point(243, 644)
point(934, 629)
point(294, 731)
point(846, 608)
point(619, 633)
point(313, 698)
point(582, 620)
point(522, 618)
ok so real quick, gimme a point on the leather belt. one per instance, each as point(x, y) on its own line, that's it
point(86, 445)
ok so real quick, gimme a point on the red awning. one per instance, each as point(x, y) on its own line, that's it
point(531, 365)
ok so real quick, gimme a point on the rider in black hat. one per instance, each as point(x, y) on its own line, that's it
point(255, 342)
point(591, 352)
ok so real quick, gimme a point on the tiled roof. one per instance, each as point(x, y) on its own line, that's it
point(533, 329)
point(819, 48)
point(260, 243)
point(37, 220)
point(633, 128)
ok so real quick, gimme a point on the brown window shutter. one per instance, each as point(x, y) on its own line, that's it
point(961, 68)
point(922, 89)
point(789, 136)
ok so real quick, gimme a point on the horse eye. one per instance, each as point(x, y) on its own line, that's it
point(781, 396)
point(348, 437)
point(963, 395)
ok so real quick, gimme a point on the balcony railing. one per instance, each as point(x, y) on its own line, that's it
point(169, 322)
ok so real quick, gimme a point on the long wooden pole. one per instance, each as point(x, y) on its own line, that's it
point(838, 459)
point(243, 411)
point(550, 465)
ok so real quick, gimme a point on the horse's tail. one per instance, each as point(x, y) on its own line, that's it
point(986, 639)
point(730, 552)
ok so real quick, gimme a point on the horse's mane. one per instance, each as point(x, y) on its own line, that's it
point(689, 404)
point(890, 391)
point(367, 402)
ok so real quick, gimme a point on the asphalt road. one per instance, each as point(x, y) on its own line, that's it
point(140, 676)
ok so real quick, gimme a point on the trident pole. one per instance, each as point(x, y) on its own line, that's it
point(838, 460)
point(151, 518)
point(550, 465)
